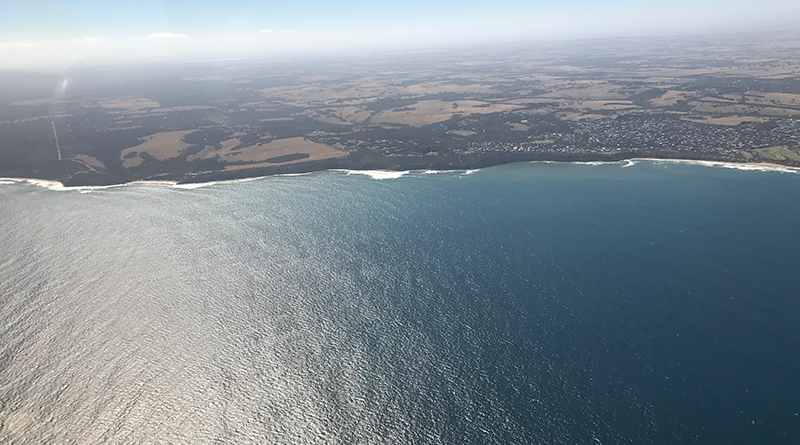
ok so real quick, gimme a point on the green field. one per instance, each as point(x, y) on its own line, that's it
point(778, 153)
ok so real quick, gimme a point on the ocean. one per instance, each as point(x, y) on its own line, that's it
point(641, 302)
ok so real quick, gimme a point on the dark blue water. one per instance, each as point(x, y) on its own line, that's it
point(657, 303)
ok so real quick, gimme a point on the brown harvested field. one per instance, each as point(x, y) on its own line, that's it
point(341, 115)
point(262, 152)
point(585, 91)
point(532, 100)
point(462, 132)
point(90, 161)
point(257, 154)
point(712, 107)
point(311, 94)
point(762, 71)
point(32, 102)
point(210, 151)
point(161, 146)
point(191, 108)
point(602, 105)
point(727, 120)
point(670, 98)
point(431, 111)
point(784, 99)
point(723, 99)
point(264, 105)
point(128, 103)
point(672, 73)
point(444, 87)
point(518, 127)
point(226, 147)
point(353, 115)
point(574, 117)
point(132, 162)
point(719, 107)
point(328, 119)
point(368, 89)
point(276, 119)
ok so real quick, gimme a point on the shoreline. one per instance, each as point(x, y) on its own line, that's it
point(768, 165)
point(388, 173)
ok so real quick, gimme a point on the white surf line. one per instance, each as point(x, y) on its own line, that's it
point(56, 136)
point(375, 174)
point(745, 166)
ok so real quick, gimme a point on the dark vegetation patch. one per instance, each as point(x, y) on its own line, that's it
point(728, 85)
point(643, 99)
point(208, 136)
point(192, 150)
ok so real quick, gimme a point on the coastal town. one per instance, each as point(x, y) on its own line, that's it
point(595, 100)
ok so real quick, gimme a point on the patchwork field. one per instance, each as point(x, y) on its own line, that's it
point(281, 151)
point(727, 120)
point(713, 98)
point(431, 111)
point(161, 146)
point(128, 103)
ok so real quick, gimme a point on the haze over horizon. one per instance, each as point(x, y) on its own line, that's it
point(48, 34)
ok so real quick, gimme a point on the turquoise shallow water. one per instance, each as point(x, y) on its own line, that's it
point(529, 303)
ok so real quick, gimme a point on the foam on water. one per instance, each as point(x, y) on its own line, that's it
point(83, 189)
point(434, 172)
point(595, 163)
point(59, 187)
point(50, 185)
point(197, 185)
point(378, 174)
point(758, 167)
point(390, 174)
point(730, 165)
point(293, 174)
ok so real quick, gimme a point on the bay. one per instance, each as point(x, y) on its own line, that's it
point(647, 302)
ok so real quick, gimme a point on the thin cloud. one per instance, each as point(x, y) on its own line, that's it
point(89, 39)
point(274, 31)
point(19, 45)
point(167, 35)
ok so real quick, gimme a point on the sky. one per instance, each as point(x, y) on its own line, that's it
point(57, 34)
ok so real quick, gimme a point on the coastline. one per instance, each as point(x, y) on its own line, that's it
point(760, 166)
point(376, 172)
